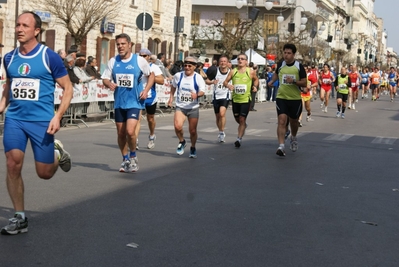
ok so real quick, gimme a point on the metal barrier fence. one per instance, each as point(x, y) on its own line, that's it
point(96, 102)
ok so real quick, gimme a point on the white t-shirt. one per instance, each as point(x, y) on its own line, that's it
point(186, 86)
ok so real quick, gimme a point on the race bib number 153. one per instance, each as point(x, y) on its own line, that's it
point(125, 80)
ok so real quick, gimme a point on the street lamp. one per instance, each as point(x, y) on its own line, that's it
point(240, 4)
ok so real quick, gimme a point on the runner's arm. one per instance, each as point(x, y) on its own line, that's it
point(228, 79)
point(5, 98)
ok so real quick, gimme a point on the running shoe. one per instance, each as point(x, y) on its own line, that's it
point(237, 144)
point(221, 137)
point(180, 147)
point(343, 116)
point(193, 153)
point(280, 151)
point(293, 144)
point(356, 101)
point(15, 226)
point(309, 118)
point(287, 134)
point(338, 114)
point(353, 106)
point(137, 144)
point(64, 161)
point(151, 142)
point(125, 166)
point(322, 105)
point(349, 106)
point(300, 123)
point(391, 99)
point(325, 110)
point(134, 164)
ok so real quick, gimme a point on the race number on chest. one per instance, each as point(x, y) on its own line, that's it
point(25, 89)
point(125, 80)
point(240, 89)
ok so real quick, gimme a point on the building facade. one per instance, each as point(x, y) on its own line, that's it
point(160, 38)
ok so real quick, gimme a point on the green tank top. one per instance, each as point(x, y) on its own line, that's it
point(242, 83)
point(286, 90)
point(343, 85)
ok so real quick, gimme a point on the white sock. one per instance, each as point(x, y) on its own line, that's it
point(22, 213)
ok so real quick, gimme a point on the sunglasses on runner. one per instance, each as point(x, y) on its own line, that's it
point(241, 58)
point(143, 55)
point(189, 63)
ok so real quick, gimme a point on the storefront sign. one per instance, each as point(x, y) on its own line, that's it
point(107, 27)
point(44, 16)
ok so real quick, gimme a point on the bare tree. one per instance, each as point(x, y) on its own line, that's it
point(79, 17)
point(227, 38)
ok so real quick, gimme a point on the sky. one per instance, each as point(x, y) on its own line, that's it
point(388, 11)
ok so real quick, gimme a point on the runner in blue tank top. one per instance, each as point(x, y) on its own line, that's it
point(124, 75)
point(32, 72)
point(392, 80)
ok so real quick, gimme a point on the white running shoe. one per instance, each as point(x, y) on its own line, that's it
point(353, 106)
point(221, 137)
point(137, 144)
point(325, 110)
point(134, 164)
point(338, 114)
point(322, 105)
point(356, 101)
point(125, 166)
point(151, 142)
point(280, 151)
point(64, 162)
point(293, 144)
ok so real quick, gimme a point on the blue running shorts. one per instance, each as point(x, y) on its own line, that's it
point(17, 133)
point(122, 115)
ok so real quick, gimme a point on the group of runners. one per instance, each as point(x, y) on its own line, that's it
point(33, 70)
point(347, 83)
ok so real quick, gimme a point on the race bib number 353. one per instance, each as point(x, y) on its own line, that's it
point(25, 89)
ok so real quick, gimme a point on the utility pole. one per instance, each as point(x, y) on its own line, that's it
point(177, 29)
point(16, 17)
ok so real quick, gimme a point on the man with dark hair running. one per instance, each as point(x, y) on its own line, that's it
point(32, 73)
point(293, 80)
point(244, 82)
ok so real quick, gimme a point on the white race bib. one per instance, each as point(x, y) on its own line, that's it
point(342, 86)
point(186, 97)
point(353, 84)
point(240, 89)
point(25, 89)
point(326, 81)
point(285, 76)
point(125, 80)
point(220, 86)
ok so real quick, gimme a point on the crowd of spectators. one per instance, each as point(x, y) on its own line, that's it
point(79, 70)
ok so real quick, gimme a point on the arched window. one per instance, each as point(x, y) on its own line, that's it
point(156, 46)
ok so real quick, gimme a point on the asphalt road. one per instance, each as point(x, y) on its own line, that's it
point(334, 202)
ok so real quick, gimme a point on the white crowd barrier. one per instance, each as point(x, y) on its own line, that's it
point(94, 97)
